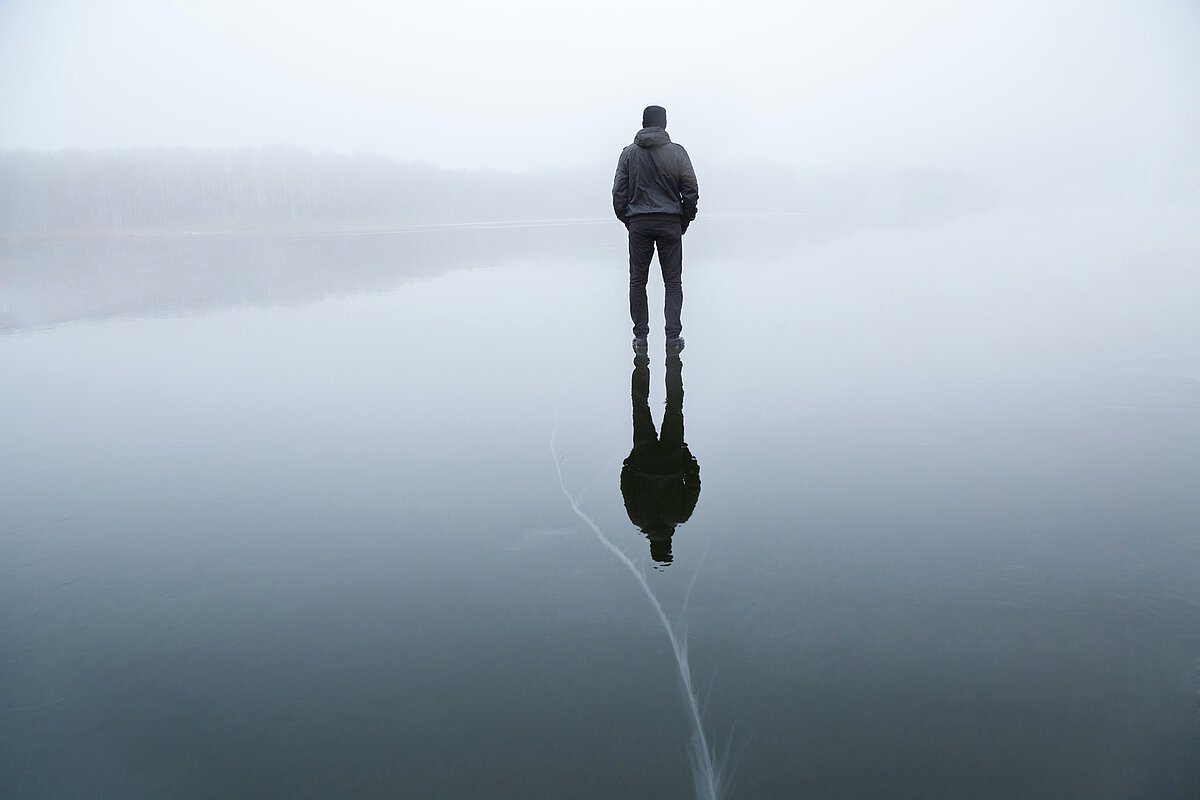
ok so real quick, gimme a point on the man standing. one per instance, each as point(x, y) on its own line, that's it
point(655, 195)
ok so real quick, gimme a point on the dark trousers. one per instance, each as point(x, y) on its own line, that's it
point(644, 235)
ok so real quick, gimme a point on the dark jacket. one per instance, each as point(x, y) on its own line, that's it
point(655, 176)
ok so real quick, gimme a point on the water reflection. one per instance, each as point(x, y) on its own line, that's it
point(52, 281)
point(660, 480)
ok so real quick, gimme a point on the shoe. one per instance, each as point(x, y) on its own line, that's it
point(639, 345)
point(675, 345)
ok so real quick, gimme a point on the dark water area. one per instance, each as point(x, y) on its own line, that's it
point(315, 516)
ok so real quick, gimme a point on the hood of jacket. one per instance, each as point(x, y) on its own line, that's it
point(651, 137)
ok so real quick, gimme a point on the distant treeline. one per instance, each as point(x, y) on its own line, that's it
point(70, 192)
point(273, 187)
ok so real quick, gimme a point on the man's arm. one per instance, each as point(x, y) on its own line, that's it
point(620, 190)
point(689, 190)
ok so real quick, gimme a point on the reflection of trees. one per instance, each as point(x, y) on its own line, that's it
point(48, 282)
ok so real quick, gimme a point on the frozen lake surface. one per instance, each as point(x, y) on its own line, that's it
point(281, 517)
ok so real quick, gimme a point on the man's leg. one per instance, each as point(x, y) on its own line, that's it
point(641, 251)
point(670, 257)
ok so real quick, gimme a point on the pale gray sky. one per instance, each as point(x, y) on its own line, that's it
point(532, 84)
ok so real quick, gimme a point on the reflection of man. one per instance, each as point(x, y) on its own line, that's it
point(655, 195)
point(660, 480)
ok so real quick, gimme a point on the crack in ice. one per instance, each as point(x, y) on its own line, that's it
point(704, 774)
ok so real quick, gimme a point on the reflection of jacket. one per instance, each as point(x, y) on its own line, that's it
point(655, 176)
point(655, 500)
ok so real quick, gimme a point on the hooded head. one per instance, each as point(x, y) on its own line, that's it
point(654, 117)
point(660, 547)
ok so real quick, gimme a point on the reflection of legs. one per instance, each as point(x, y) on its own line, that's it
point(670, 258)
point(641, 251)
point(643, 423)
point(672, 424)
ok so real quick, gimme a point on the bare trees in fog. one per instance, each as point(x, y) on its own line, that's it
point(74, 191)
point(70, 192)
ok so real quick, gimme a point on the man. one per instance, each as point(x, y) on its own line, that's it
point(655, 195)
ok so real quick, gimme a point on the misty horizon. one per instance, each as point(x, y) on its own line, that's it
point(474, 112)
point(73, 191)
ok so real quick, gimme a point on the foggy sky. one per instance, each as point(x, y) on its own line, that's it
point(540, 84)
